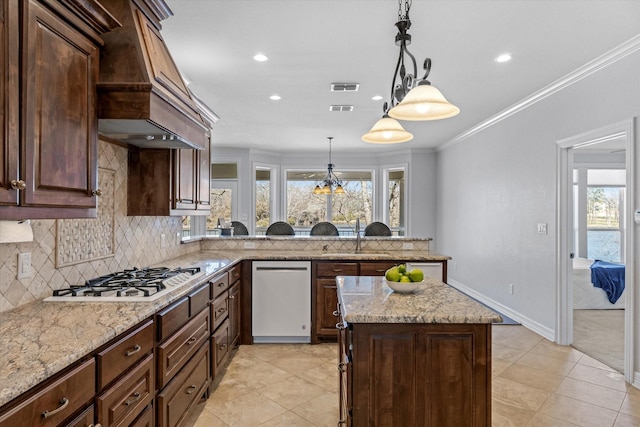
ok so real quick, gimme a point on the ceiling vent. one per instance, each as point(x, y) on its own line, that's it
point(340, 107)
point(344, 87)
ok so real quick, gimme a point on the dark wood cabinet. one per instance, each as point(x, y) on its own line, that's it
point(49, 139)
point(167, 182)
point(50, 406)
point(416, 374)
point(235, 310)
point(324, 290)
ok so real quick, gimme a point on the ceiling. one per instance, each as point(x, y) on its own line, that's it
point(313, 43)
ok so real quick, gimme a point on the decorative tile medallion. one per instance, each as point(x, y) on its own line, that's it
point(82, 240)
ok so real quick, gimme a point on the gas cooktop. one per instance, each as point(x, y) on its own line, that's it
point(137, 284)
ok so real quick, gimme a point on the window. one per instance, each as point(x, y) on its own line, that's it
point(395, 200)
point(599, 196)
point(304, 209)
point(224, 189)
point(263, 199)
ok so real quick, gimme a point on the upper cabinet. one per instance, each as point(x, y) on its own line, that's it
point(49, 70)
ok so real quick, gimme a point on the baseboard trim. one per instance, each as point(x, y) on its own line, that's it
point(636, 380)
point(531, 324)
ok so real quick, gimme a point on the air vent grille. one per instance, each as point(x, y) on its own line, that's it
point(340, 107)
point(344, 87)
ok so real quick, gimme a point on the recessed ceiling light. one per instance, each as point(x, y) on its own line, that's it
point(377, 98)
point(275, 97)
point(260, 57)
point(505, 57)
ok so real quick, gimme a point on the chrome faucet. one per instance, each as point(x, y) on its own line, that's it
point(358, 241)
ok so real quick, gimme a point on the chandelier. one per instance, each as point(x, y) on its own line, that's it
point(412, 98)
point(331, 180)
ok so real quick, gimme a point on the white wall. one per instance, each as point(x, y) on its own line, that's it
point(496, 185)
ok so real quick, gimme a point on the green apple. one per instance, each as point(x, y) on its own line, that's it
point(393, 274)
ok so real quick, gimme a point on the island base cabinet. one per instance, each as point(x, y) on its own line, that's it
point(421, 375)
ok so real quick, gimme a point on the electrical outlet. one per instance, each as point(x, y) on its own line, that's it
point(24, 265)
point(163, 240)
point(511, 288)
point(249, 245)
point(178, 238)
point(542, 228)
point(407, 245)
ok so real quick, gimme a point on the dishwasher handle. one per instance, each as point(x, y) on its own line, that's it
point(282, 268)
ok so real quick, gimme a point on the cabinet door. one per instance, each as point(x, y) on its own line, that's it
point(9, 101)
point(203, 199)
point(234, 314)
point(184, 164)
point(59, 151)
point(326, 300)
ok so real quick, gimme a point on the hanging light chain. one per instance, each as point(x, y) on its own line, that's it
point(407, 7)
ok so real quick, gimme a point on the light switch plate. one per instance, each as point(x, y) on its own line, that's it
point(24, 265)
point(542, 228)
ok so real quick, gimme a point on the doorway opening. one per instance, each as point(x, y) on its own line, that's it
point(595, 237)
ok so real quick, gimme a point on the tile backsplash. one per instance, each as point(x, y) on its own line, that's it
point(65, 252)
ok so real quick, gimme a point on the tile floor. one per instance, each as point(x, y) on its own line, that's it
point(535, 383)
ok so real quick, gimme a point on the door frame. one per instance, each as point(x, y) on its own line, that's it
point(564, 242)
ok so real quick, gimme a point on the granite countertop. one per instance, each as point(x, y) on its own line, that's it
point(39, 339)
point(367, 299)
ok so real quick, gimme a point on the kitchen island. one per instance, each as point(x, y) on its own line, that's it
point(413, 359)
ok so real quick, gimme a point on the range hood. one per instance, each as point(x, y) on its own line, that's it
point(142, 97)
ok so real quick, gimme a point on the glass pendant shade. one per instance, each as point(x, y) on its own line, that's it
point(326, 189)
point(424, 102)
point(339, 189)
point(317, 190)
point(387, 131)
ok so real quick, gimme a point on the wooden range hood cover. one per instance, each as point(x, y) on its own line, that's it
point(142, 98)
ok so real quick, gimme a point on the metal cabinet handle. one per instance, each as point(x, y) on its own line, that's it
point(221, 285)
point(232, 297)
point(191, 340)
point(337, 270)
point(63, 404)
point(221, 311)
point(339, 326)
point(222, 346)
point(191, 389)
point(133, 351)
point(342, 367)
point(18, 185)
point(97, 192)
point(336, 313)
point(135, 397)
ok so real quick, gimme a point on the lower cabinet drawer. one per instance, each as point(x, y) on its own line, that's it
point(184, 390)
point(176, 351)
point(146, 418)
point(58, 401)
point(84, 419)
point(121, 403)
point(123, 354)
point(219, 310)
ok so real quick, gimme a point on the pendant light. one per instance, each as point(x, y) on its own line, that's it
point(411, 98)
point(331, 180)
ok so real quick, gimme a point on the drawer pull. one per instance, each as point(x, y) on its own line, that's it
point(191, 340)
point(339, 326)
point(133, 351)
point(63, 404)
point(220, 311)
point(191, 389)
point(221, 285)
point(232, 297)
point(335, 313)
point(342, 367)
point(135, 397)
point(222, 346)
point(337, 270)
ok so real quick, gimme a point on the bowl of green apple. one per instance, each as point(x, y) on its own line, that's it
point(402, 281)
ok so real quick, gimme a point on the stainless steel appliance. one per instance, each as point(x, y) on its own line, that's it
point(137, 284)
point(281, 301)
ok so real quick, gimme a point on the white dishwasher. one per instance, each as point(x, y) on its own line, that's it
point(281, 301)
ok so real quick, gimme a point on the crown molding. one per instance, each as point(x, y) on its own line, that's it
point(612, 56)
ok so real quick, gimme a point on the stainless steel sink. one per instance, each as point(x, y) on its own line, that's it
point(354, 255)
